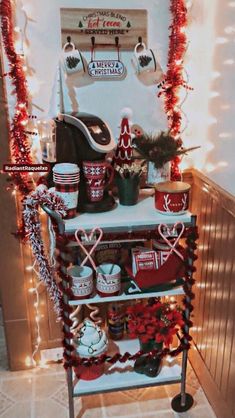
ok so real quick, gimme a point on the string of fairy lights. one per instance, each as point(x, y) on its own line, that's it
point(23, 124)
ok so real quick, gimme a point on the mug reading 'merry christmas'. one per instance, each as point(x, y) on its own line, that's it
point(144, 59)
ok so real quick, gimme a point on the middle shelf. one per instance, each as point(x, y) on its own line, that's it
point(98, 299)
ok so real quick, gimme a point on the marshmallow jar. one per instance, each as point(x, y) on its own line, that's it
point(91, 341)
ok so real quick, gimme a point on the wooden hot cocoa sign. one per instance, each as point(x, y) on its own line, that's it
point(105, 25)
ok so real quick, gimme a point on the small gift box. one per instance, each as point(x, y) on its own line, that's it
point(143, 259)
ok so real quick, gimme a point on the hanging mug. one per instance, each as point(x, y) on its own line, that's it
point(72, 59)
point(144, 59)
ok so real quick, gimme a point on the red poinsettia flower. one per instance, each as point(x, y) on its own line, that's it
point(154, 321)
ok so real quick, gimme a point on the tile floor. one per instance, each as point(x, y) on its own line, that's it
point(42, 393)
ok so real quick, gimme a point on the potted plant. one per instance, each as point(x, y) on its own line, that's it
point(155, 324)
point(159, 150)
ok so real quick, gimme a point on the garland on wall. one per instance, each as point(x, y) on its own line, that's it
point(174, 79)
point(20, 152)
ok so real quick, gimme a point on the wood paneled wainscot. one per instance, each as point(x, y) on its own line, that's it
point(213, 356)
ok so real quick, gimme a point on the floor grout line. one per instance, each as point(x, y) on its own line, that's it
point(33, 400)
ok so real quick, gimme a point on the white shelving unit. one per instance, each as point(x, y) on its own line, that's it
point(126, 220)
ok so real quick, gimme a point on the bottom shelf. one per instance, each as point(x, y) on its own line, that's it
point(122, 376)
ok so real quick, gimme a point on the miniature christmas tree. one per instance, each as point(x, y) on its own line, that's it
point(123, 153)
point(72, 62)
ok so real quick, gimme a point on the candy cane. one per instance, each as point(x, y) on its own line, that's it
point(73, 317)
point(172, 246)
point(89, 238)
point(93, 315)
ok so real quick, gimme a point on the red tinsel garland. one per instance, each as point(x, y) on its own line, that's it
point(19, 144)
point(174, 76)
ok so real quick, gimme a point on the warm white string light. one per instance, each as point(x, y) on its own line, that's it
point(37, 316)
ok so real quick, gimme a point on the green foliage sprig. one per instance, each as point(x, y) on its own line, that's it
point(159, 148)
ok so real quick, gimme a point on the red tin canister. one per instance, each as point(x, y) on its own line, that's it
point(172, 197)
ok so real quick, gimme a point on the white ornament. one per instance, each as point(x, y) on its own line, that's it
point(126, 113)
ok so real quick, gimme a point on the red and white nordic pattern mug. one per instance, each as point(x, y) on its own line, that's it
point(108, 279)
point(66, 177)
point(82, 281)
point(172, 197)
point(98, 176)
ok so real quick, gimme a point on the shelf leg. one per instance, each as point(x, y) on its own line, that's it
point(183, 379)
point(70, 392)
point(184, 401)
point(63, 261)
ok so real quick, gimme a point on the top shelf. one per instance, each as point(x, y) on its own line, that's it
point(126, 218)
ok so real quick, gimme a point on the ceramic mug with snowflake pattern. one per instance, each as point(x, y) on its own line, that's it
point(98, 175)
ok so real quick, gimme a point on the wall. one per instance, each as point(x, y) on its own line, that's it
point(222, 102)
point(104, 98)
point(210, 108)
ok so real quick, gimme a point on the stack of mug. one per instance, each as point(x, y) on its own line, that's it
point(66, 177)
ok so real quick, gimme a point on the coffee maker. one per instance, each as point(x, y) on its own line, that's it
point(84, 137)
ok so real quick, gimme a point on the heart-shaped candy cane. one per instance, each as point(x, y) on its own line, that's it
point(95, 231)
point(169, 243)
